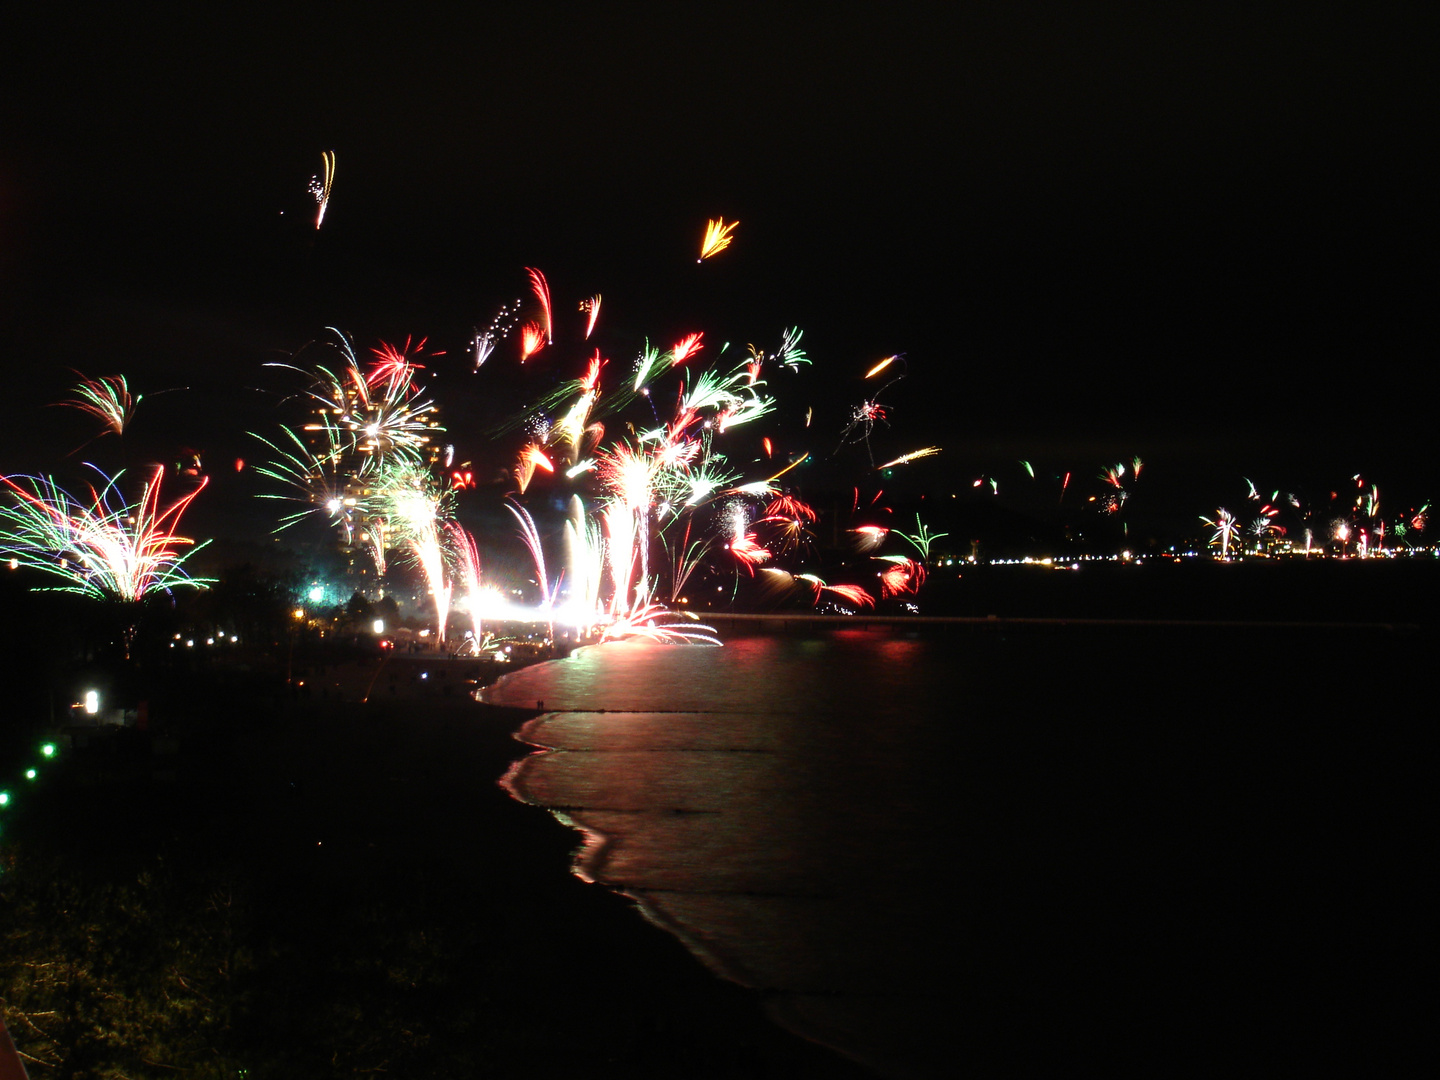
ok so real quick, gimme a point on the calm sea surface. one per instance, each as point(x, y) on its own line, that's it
point(1015, 845)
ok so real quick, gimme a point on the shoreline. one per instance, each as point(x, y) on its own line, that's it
point(587, 861)
point(1181, 852)
point(361, 839)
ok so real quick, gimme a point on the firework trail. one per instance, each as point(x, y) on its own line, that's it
point(531, 535)
point(532, 340)
point(922, 538)
point(374, 418)
point(541, 288)
point(426, 547)
point(374, 539)
point(407, 497)
point(903, 576)
point(869, 412)
point(314, 475)
point(532, 456)
point(748, 552)
point(628, 475)
point(914, 455)
point(107, 399)
point(585, 559)
point(648, 363)
point(393, 366)
point(651, 622)
point(320, 188)
point(789, 520)
point(787, 355)
point(484, 341)
point(685, 556)
point(717, 238)
point(466, 557)
point(103, 547)
point(1225, 528)
point(882, 365)
point(665, 493)
point(591, 309)
point(853, 594)
point(685, 348)
point(868, 538)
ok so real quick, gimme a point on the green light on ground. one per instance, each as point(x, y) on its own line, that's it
point(30, 774)
point(4, 798)
point(47, 750)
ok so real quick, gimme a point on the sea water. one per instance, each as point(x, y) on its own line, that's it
point(1005, 844)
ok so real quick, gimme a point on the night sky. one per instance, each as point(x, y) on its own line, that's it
point(1200, 234)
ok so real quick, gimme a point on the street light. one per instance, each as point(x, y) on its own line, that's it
point(92, 702)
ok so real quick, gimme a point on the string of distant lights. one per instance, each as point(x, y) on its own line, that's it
point(45, 753)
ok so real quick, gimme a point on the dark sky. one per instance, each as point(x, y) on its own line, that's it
point(1204, 234)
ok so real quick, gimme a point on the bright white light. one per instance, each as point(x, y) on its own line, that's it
point(92, 702)
point(379, 626)
point(316, 593)
point(493, 607)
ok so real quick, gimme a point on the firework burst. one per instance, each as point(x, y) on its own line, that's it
point(716, 239)
point(103, 547)
point(107, 399)
point(320, 185)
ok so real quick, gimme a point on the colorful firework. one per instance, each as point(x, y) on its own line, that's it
point(466, 557)
point(667, 500)
point(541, 288)
point(685, 348)
point(902, 577)
point(532, 340)
point(103, 547)
point(107, 399)
point(717, 238)
point(922, 538)
point(1225, 528)
point(374, 416)
point(651, 622)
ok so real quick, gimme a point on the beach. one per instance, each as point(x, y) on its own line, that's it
point(397, 910)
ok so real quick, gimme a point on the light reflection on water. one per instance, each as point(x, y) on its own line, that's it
point(775, 803)
point(1044, 843)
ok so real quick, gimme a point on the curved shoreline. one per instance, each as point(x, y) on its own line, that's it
point(588, 865)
